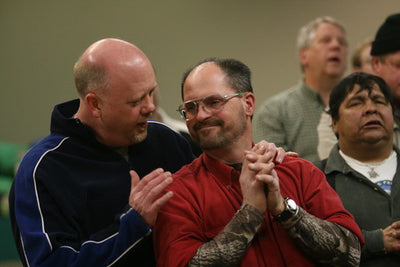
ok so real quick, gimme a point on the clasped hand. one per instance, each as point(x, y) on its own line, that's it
point(259, 182)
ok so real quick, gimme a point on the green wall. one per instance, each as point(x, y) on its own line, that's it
point(41, 40)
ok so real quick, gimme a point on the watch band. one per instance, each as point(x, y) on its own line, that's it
point(290, 210)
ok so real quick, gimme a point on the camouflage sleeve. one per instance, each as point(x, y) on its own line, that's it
point(326, 242)
point(229, 246)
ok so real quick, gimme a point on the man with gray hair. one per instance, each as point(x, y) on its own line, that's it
point(296, 119)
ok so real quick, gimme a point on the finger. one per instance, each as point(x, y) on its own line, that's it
point(153, 174)
point(260, 147)
point(262, 143)
point(154, 188)
point(263, 151)
point(264, 157)
point(277, 154)
point(138, 186)
point(280, 155)
point(251, 156)
point(134, 179)
point(292, 154)
point(161, 201)
point(396, 225)
point(265, 178)
point(269, 154)
point(267, 150)
point(271, 180)
point(140, 189)
point(262, 168)
point(133, 195)
point(156, 181)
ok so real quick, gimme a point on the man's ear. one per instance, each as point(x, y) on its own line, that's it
point(303, 56)
point(335, 127)
point(250, 102)
point(376, 65)
point(93, 104)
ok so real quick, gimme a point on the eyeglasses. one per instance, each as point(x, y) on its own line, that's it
point(211, 104)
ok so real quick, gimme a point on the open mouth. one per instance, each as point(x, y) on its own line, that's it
point(373, 123)
point(334, 59)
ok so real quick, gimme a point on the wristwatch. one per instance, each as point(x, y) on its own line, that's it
point(290, 210)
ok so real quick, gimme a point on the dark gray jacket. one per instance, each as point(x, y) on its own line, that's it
point(371, 206)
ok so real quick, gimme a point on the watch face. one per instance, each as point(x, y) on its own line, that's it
point(291, 204)
point(291, 209)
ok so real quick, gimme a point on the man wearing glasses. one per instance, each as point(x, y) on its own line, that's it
point(237, 204)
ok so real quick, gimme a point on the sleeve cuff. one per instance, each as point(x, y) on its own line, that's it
point(374, 242)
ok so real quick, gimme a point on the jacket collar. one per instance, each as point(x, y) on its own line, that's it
point(335, 162)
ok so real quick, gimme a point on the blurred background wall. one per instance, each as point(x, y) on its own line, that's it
point(41, 40)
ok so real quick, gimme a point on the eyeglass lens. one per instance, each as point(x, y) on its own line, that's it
point(211, 103)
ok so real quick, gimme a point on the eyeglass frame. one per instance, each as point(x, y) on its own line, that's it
point(226, 98)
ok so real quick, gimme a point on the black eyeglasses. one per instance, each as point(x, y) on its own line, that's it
point(211, 104)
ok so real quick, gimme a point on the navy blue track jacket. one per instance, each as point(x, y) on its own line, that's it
point(69, 202)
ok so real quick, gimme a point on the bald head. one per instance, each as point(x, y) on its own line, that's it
point(116, 82)
point(106, 61)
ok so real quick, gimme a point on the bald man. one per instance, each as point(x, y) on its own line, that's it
point(77, 199)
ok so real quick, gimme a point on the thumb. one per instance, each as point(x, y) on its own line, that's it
point(134, 179)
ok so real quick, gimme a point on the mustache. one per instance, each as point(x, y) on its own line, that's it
point(212, 122)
